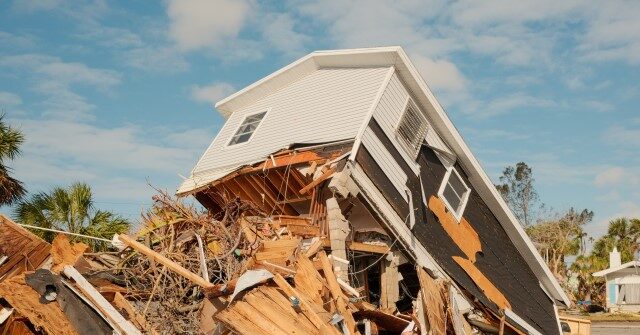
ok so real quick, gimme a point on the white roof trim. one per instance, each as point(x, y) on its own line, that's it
point(395, 56)
point(306, 64)
point(604, 272)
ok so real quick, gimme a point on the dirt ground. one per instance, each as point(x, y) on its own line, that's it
point(615, 328)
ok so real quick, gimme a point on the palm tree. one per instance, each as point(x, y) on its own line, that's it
point(71, 210)
point(11, 190)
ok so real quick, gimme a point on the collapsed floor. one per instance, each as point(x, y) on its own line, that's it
point(286, 247)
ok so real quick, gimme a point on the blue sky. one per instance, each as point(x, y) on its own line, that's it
point(119, 94)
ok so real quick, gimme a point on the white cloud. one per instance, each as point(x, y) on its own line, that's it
point(440, 74)
point(160, 59)
point(35, 5)
point(212, 93)
point(196, 24)
point(613, 32)
point(115, 160)
point(13, 41)
point(8, 99)
point(278, 30)
point(506, 104)
point(614, 176)
point(474, 13)
point(622, 135)
point(55, 79)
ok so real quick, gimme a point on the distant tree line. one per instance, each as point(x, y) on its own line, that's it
point(559, 236)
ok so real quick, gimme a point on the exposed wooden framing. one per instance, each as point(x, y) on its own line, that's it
point(259, 185)
point(294, 200)
point(171, 265)
point(255, 192)
point(326, 175)
point(236, 189)
point(284, 160)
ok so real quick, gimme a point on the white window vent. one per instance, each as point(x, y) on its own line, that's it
point(412, 129)
point(454, 192)
point(247, 128)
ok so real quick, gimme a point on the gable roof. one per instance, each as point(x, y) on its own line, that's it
point(626, 265)
point(395, 56)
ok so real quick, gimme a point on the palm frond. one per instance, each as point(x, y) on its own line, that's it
point(10, 141)
point(11, 189)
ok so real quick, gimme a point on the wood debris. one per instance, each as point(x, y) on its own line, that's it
point(276, 252)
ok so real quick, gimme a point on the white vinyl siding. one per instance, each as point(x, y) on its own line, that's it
point(380, 154)
point(388, 113)
point(326, 105)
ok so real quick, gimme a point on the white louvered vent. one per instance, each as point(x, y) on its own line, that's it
point(412, 129)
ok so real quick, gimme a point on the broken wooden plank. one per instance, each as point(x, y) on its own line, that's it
point(48, 317)
point(365, 247)
point(101, 303)
point(336, 292)
point(120, 302)
point(290, 325)
point(291, 292)
point(171, 265)
point(326, 175)
point(315, 247)
point(433, 303)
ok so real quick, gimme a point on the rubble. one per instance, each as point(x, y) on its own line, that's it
point(297, 261)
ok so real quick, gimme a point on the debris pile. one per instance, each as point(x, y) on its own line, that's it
point(275, 253)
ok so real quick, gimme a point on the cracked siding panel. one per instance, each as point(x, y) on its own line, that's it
point(326, 105)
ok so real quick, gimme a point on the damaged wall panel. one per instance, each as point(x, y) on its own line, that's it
point(509, 272)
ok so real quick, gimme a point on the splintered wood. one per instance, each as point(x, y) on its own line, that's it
point(433, 302)
point(47, 317)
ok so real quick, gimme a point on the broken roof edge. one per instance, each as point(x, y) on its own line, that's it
point(604, 272)
point(201, 181)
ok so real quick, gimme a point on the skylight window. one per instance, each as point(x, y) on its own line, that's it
point(412, 129)
point(454, 192)
point(247, 128)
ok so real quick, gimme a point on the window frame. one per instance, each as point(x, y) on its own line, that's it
point(235, 132)
point(463, 200)
point(410, 151)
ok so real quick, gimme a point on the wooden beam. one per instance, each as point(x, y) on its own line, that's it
point(336, 292)
point(171, 265)
point(371, 248)
point(326, 175)
point(290, 159)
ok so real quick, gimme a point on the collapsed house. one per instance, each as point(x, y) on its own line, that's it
point(339, 199)
point(356, 143)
